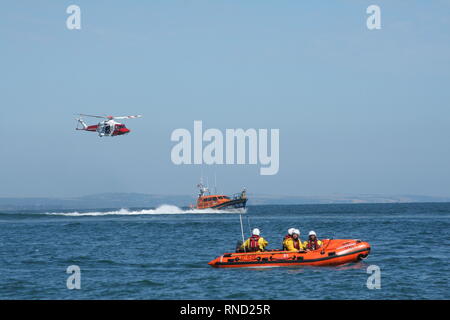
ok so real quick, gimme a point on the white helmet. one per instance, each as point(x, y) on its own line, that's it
point(296, 231)
point(312, 233)
point(291, 231)
point(255, 232)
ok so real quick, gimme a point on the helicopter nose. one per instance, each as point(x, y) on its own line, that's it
point(124, 130)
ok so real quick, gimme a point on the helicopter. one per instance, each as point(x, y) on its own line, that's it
point(106, 128)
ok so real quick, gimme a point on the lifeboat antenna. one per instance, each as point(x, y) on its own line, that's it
point(215, 183)
point(242, 231)
point(249, 226)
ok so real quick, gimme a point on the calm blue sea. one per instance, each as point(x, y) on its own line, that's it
point(163, 253)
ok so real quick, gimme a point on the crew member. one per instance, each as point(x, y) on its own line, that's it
point(313, 243)
point(288, 236)
point(294, 243)
point(255, 243)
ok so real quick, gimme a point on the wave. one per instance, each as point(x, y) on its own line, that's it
point(163, 209)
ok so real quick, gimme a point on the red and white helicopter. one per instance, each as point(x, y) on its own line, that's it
point(106, 128)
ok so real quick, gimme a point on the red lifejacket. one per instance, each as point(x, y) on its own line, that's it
point(254, 243)
point(296, 244)
point(312, 245)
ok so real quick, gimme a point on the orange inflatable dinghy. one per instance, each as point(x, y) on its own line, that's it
point(332, 253)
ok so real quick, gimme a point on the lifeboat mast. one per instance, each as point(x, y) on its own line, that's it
point(203, 189)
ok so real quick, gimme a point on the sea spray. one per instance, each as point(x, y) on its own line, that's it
point(163, 209)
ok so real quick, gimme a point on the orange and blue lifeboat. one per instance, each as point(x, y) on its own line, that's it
point(220, 202)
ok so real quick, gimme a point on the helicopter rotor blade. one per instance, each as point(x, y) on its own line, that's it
point(127, 117)
point(89, 115)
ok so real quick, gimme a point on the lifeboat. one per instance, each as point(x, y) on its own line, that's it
point(219, 201)
point(332, 253)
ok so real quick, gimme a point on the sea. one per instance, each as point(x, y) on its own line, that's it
point(163, 253)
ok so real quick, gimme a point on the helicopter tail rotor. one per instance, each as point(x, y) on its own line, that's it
point(83, 124)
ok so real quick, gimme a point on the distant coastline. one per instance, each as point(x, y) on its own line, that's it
point(134, 200)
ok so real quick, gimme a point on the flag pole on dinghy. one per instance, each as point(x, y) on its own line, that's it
point(242, 231)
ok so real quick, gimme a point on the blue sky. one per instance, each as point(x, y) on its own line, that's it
point(359, 111)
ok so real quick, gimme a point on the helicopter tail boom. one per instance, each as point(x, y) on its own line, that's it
point(84, 126)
